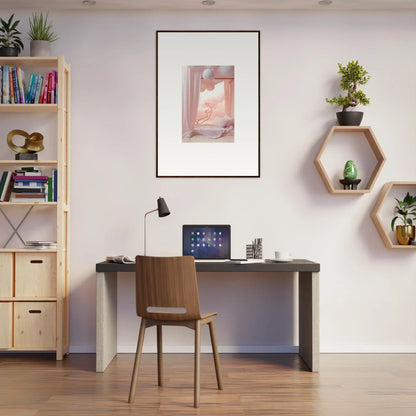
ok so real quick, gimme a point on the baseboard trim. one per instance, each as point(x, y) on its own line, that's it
point(259, 349)
point(368, 349)
point(244, 349)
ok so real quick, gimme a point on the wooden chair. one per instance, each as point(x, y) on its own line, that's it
point(167, 294)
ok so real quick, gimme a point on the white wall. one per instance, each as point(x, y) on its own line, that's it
point(366, 291)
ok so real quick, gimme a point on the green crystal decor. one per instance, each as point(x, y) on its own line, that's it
point(350, 170)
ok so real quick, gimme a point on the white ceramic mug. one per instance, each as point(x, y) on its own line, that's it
point(282, 256)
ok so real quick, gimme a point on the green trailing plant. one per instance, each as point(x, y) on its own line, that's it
point(9, 35)
point(40, 28)
point(353, 75)
point(406, 210)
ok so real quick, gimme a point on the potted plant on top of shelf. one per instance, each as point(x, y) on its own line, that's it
point(41, 35)
point(10, 42)
point(406, 209)
point(353, 75)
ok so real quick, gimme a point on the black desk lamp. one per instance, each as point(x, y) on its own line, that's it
point(163, 211)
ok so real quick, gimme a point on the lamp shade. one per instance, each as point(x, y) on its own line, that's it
point(162, 207)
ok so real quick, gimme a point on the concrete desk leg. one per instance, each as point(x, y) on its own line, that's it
point(309, 319)
point(106, 343)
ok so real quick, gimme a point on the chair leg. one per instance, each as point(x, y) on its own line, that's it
point(197, 364)
point(159, 355)
point(137, 361)
point(216, 355)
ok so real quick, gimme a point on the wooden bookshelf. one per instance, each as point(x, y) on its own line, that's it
point(34, 284)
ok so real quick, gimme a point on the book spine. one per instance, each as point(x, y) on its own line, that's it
point(20, 84)
point(3, 179)
point(1, 84)
point(55, 185)
point(30, 178)
point(5, 187)
point(50, 88)
point(6, 96)
point(27, 184)
point(45, 92)
point(15, 86)
point(38, 88)
point(34, 89)
point(8, 185)
point(56, 86)
point(29, 88)
point(11, 85)
point(49, 189)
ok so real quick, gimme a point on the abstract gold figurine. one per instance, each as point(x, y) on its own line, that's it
point(33, 144)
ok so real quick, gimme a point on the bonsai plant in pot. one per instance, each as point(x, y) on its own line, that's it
point(353, 75)
point(407, 213)
point(41, 35)
point(10, 42)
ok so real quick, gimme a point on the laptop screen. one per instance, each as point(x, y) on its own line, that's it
point(207, 241)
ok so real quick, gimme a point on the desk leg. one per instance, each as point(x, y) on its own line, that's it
point(106, 343)
point(309, 319)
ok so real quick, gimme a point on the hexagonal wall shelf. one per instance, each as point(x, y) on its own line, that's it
point(375, 213)
point(374, 146)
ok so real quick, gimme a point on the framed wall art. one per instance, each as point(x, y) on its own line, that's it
point(208, 104)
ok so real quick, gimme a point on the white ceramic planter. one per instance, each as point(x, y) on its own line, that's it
point(40, 48)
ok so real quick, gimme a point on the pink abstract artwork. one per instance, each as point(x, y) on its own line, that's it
point(208, 104)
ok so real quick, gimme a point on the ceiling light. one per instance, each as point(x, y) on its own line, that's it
point(208, 2)
point(325, 2)
point(88, 2)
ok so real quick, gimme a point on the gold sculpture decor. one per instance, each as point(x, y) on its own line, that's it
point(33, 142)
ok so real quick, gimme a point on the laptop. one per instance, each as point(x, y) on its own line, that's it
point(207, 242)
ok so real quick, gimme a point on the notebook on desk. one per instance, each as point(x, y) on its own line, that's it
point(207, 242)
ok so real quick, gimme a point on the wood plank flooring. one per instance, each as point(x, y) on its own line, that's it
point(254, 384)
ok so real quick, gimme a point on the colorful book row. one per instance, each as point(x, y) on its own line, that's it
point(40, 89)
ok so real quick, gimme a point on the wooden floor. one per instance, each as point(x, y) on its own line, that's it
point(255, 384)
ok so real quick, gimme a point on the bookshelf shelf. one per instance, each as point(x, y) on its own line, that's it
point(33, 279)
point(17, 163)
point(14, 204)
point(28, 108)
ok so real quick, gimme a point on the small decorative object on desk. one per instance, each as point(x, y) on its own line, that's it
point(258, 248)
point(350, 180)
point(33, 144)
point(249, 251)
point(120, 259)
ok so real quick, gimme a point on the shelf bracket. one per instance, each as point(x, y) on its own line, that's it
point(15, 229)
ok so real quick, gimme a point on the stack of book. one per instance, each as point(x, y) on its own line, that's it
point(40, 245)
point(27, 184)
point(39, 89)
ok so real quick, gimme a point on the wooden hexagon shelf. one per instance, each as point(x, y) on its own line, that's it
point(375, 213)
point(374, 146)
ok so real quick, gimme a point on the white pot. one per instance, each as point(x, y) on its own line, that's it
point(40, 48)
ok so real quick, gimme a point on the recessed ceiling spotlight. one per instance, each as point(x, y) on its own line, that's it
point(89, 2)
point(208, 2)
point(324, 2)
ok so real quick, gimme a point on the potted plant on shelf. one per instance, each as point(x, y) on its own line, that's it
point(353, 75)
point(406, 209)
point(41, 35)
point(10, 42)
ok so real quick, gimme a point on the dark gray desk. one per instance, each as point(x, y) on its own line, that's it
point(308, 303)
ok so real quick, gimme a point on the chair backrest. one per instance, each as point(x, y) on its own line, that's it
point(167, 282)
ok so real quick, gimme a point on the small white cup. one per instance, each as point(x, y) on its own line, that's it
point(282, 256)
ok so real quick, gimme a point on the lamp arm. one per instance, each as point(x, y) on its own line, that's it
point(144, 221)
